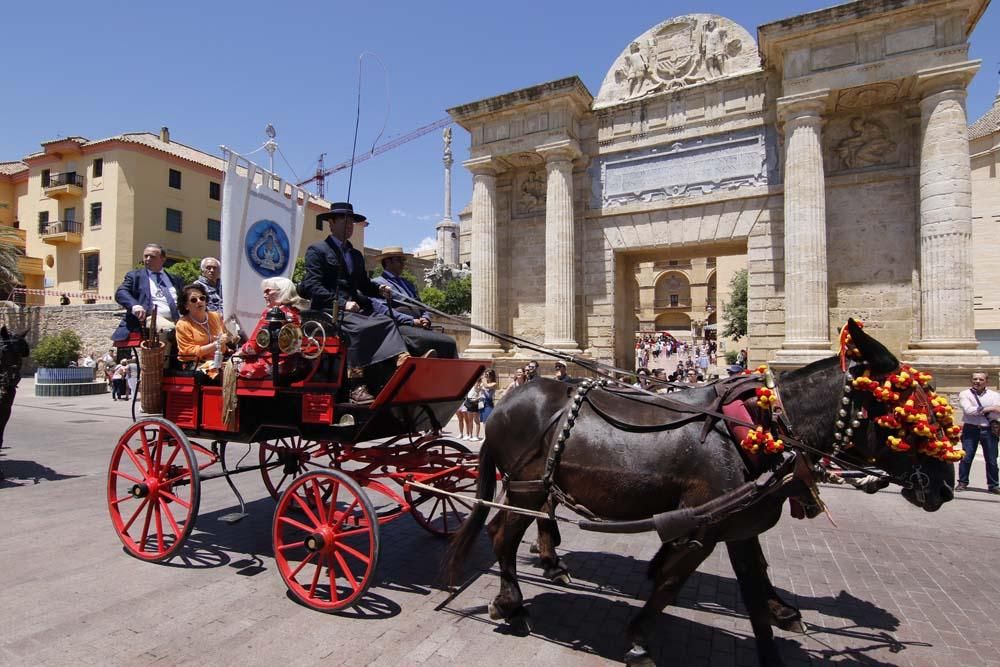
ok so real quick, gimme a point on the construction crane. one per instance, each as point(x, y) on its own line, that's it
point(320, 176)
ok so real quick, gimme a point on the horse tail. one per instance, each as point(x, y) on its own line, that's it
point(462, 541)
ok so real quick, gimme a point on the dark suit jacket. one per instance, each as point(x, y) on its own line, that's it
point(402, 313)
point(326, 274)
point(134, 290)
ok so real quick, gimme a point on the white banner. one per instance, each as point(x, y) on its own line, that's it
point(261, 231)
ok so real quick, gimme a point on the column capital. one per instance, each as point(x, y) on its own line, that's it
point(556, 151)
point(955, 77)
point(487, 165)
point(803, 105)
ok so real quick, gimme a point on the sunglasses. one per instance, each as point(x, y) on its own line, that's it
point(196, 299)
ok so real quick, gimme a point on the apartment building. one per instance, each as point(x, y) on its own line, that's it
point(85, 209)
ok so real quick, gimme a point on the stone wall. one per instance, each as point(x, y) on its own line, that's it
point(93, 323)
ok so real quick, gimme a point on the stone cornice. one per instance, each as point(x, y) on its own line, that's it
point(566, 149)
point(571, 88)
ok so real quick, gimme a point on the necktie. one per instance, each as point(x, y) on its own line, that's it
point(348, 260)
point(166, 293)
point(403, 287)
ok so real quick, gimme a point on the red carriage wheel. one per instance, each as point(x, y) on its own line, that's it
point(326, 540)
point(285, 459)
point(154, 488)
point(441, 515)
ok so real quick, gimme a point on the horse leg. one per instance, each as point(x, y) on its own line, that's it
point(6, 401)
point(750, 567)
point(783, 615)
point(548, 539)
point(669, 569)
point(506, 530)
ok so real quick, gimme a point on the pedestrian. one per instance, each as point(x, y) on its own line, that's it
point(561, 373)
point(489, 394)
point(133, 376)
point(980, 410)
point(472, 406)
point(118, 381)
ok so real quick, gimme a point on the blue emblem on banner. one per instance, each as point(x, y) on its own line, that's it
point(267, 248)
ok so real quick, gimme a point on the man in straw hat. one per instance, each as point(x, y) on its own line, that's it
point(335, 272)
point(414, 324)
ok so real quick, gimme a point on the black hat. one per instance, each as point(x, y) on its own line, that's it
point(340, 208)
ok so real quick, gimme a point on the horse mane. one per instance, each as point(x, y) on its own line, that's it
point(811, 398)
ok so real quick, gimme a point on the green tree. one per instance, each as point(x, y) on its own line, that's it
point(299, 272)
point(734, 311)
point(10, 256)
point(188, 270)
point(56, 351)
point(458, 296)
point(433, 297)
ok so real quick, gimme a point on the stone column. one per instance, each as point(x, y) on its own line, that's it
point(485, 297)
point(807, 317)
point(947, 328)
point(560, 247)
point(447, 230)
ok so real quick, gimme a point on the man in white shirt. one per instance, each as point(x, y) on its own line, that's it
point(979, 406)
point(147, 287)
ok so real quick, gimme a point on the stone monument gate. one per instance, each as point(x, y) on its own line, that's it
point(831, 153)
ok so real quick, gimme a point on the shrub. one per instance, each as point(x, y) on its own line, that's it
point(58, 350)
point(731, 356)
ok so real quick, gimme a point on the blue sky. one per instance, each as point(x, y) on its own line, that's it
point(216, 72)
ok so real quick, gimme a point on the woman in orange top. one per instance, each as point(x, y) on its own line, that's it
point(198, 330)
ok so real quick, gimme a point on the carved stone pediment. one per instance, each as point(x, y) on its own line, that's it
point(680, 52)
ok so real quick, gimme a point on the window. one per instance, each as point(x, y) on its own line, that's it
point(214, 230)
point(174, 220)
point(675, 300)
point(95, 214)
point(214, 191)
point(46, 178)
point(89, 268)
point(175, 179)
point(43, 216)
point(69, 214)
point(98, 169)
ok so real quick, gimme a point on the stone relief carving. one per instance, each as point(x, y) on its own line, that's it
point(867, 145)
point(696, 166)
point(677, 53)
point(884, 92)
point(531, 194)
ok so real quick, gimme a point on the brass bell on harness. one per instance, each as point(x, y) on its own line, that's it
point(842, 413)
point(855, 423)
point(839, 424)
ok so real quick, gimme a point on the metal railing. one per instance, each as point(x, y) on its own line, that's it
point(66, 178)
point(60, 226)
point(666, 303)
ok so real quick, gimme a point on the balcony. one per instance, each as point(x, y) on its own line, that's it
point(665, 304)
point(69, 184)
point(30, 266)
point(60, 231)
point(19, 238)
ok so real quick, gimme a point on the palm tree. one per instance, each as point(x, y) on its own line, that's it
point(10, 256)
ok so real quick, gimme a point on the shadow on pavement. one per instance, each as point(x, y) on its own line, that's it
point(16, 472)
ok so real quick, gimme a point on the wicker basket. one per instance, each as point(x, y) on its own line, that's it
point(151, 377)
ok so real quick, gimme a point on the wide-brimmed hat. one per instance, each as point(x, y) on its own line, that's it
point(340, 208)
point(734, 369)
point(560, 364)
point(392, 251)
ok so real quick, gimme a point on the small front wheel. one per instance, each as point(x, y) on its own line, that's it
point(452, 468)
point(326, 540)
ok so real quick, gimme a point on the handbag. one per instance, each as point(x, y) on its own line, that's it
point(994, 424)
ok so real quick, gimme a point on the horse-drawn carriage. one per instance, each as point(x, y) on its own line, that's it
point(320, 457)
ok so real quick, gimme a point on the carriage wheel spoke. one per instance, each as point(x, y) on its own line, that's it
point(305, 508)
point(305, 561)
point(135, 461)
point(173, 455)
point(135, 515)
point(295, 524)
point(159, 527)
point(145, 527)
point(119, 473)
point(339, 525)
point(350, 533)
point(291, 545)
point(354, 552)
point(182, 503)
point(119, 501)
point(170, 518)
point(145, 446)
point(355, 585)
point(318, 499)
point(318, 571)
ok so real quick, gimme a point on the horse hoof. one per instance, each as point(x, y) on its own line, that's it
point(558, 575)
point(638, 657)
point(534, 548)
point(795, 625)
point(494, 611)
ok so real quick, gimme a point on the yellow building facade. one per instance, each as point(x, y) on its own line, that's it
point(86, 209)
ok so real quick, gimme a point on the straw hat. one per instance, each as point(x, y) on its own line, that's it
point(392, 251)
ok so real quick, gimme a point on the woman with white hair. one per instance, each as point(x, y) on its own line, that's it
point(278, 293)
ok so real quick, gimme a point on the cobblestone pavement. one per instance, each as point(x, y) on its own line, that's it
point(890, 585)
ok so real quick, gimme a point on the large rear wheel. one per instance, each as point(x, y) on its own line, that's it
point(154, 488)
point(437, 514)
point(326, 540)
point(283, 460)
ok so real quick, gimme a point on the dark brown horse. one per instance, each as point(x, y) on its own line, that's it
point(13, 349)
point(627, 474)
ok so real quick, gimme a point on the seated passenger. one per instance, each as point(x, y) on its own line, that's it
point(278, 293)
point(199, 332)
point(414, 324)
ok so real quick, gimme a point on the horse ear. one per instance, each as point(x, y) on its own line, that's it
point(3, 332)
point(879, 358)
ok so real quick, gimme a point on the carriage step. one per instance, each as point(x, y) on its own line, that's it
point(234, 517)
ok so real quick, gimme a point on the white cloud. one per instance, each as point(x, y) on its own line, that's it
point(399, 212)
point(429, 243)
point(429, 216)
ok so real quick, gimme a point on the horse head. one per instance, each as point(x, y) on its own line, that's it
point(882, 396)
point(13, 348)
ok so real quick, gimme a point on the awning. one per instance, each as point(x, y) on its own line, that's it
point(711, 327)
point(87, 251)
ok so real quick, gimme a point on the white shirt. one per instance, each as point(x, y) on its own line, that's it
point(88, 362)
point(159, 298)
point(971, 412)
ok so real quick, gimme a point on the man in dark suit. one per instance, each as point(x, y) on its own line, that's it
point(414, 324)
point(142, 289)
point(335, 273)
